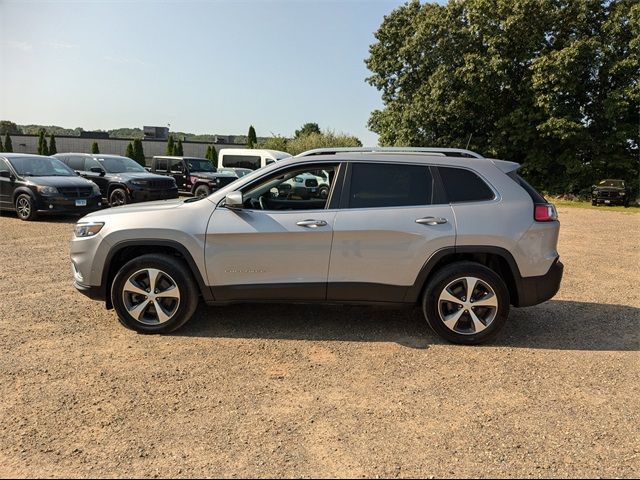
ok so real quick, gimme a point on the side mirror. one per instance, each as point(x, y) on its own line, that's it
point(98, 170)
point(233, 200)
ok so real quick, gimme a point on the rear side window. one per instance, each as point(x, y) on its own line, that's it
point(385, 185)
point(241, 161)
point(75, 163)
point(463, 185)
point(161, 164)
point(535, 196)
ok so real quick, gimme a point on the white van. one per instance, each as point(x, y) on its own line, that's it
point(248, 157)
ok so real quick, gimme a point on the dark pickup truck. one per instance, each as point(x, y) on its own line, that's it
point(193, 175)
point(610, 192)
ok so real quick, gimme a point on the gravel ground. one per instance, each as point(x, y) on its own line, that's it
point(331, 391)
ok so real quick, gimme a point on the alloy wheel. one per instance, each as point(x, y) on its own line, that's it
point(151, 296)
point(467, 305)
point(23, 206)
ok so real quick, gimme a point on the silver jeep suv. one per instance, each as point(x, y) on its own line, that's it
point(460, 235)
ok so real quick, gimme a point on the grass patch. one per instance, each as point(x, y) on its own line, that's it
point(634, 208)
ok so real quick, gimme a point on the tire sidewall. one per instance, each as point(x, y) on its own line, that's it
point(450, 273)
point(178, 271)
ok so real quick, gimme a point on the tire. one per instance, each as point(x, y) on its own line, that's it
point(202, 191)
point(161, 313)
point(450, 282)
point(594, 203)
point(25, 207)
point(117, 197)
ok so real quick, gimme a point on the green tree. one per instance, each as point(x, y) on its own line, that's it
point(306, 129)
point(129, 151)
point(208, 154)
point(138, 152)
point(276, 142)
point(252, 140)
point(1, 146)
point(326, 139)
point(43, 149)
point(7, 127)
point(94, 148)
point(170, 146)
point(8, 147)
point(52, 145)
point(552, 85)
point(178, 150)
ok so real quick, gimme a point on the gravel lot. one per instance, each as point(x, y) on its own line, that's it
point(282, 390)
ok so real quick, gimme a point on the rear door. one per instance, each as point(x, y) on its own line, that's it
point(392, 218)
point(177, 171)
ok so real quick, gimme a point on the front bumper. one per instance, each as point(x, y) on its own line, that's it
point(94, 293)
point(609, 200)
point(535, 290)
point(57, 204)
point(149, 195)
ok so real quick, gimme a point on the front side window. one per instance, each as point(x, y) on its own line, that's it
point(305, 188)
point(200, 166)
point(41, 167)
point(242, 161)
point(375, 185)
point(76, 163)
point(463, 185)
point(3, 166)
point(176, 166)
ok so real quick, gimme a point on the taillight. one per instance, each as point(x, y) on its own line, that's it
point(545, 212)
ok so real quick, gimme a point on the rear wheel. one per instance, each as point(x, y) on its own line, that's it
point(202, 191)
point(154, 294)
point(25, 207)
point(594, 203)
point(117, 197)
point(466, 303)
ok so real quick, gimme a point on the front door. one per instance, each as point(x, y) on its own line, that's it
point(389, 224)
point(275, 248)
point(7, 186)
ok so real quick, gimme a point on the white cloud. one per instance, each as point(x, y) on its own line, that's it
point(17, 45)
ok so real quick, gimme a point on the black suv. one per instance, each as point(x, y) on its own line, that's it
point(120, 179)
point(193, 175)
point(30, 184)
point(610, 192)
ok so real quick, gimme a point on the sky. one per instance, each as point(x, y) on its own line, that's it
point(198, 66)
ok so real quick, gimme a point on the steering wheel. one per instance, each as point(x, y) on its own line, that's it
point(261, 201)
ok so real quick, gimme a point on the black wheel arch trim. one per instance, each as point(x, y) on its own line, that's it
point(528, 289)
point(107, 275)
point(24, 189)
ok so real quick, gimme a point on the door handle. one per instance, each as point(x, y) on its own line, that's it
point(311, 223)
point(431, 221)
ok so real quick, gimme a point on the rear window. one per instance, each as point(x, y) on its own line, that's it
point(384, 185)
point(533, 193)
point(241, 161)
point(463, 185)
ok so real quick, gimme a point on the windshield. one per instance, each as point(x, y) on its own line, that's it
point(120, 165)
point(612, 183)
point(200, 166)
point(41, 167)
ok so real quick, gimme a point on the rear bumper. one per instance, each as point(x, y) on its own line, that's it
point(535, 290)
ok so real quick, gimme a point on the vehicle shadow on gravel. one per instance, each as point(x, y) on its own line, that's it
point(43, 218)
point(569, 325)
point(554, 325)
point(348, 323)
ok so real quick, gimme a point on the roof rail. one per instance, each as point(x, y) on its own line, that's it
point(449, 152)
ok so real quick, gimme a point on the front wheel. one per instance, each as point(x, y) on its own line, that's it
point(25, 207)
point(117, 197)
point(466, 303)
point(154, 293)
point(202, 191)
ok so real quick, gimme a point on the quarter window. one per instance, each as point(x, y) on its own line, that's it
point(389, 185)
point(463, 185)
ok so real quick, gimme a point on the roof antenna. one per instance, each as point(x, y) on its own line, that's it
point(468, 141)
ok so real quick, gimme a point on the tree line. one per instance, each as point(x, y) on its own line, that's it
point(551, 84)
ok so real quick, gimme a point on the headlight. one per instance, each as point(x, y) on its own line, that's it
point(48, 190)
point(138, 183)
point(621, 194)
point(88, 229)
